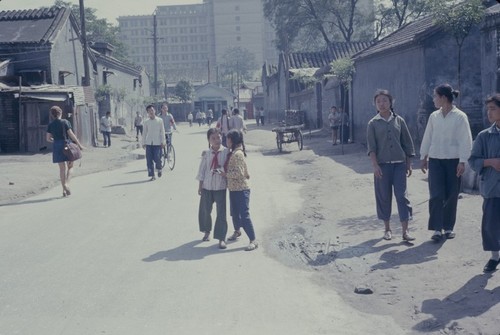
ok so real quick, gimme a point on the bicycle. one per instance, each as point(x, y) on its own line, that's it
point(168, 153)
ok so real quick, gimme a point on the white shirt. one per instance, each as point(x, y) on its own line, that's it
point(212, 181)
point(447, 137)
point(154, 132)
point(236, 122)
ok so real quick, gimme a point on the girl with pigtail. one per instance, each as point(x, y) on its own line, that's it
point(236, 172)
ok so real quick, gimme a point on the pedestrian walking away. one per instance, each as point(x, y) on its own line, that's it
point(212, 188)
point(105, 127)
point(153, 140)
point(190, 119)
point(485, 160)
point(239, 188)
point(223, 125)
point(390, 148)
point(138, 125)
point(445, 148)
point(58, 131)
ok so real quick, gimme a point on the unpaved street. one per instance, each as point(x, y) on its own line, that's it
point(122, 255)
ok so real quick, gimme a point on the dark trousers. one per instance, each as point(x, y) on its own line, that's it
point(490, 225)
point(393, 177)
point(107, 138)
point(207, 200)
point(138, 130)
point(153, 153)
point(240, 212)
point(444, 186)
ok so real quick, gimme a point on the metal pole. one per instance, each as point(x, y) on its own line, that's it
point(86, 69)
point(155, 41)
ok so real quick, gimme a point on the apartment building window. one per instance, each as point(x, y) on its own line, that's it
point(238, 28)
point(237, 19)
point(238, 38)
point(236, 8)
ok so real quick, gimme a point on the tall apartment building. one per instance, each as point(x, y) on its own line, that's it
point(184, 39)
point(192, 39)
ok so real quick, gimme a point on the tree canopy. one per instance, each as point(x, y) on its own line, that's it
point(98, 30)
point(239, 62)
point(306, 24)
point(184, 90)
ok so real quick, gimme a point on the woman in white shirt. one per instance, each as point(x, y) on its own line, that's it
point(445, 148)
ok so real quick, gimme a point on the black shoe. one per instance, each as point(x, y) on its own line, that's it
point(159, 173)
point(437, 237)
point(152, 178)
point(491, 265)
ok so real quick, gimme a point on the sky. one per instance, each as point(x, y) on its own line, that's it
point(108, 9)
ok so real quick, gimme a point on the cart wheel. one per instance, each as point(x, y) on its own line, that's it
point(300, 140)
point(278, 142)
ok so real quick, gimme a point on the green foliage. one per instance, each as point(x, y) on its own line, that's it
point(103, 92)
point(98, 30)
point(457, 18)
point(237, 64)
point(184, 90)
point(239, 60)
point(344, 70)
point(333, 20)
point(390, 16)
point(305, 76)
point(119, 94)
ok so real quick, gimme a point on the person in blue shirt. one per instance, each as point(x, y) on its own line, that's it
point(485, 160)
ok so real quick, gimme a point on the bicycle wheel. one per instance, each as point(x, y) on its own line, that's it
point(163, 155)
point(300, 140)
point(171, 157)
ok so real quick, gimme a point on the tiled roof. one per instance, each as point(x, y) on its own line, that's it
point(31, 25)
point(319, 59)
point(406, 35)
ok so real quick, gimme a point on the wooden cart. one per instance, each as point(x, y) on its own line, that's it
point(290, 129)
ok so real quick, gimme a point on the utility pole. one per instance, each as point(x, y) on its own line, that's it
point(86, 69)
point(155, 52)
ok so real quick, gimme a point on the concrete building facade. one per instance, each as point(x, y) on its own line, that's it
point(192, 39)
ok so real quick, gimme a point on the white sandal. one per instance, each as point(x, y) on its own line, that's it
point(252, 246)
point(388, 235)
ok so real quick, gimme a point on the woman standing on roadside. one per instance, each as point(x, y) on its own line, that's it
point(239, 188)
point(485, 160)
point(390, 148)
point(445, 148)
point(57, 133)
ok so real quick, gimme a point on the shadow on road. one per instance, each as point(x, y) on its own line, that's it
point(471, 300)
point(129, 183)
point(27, 202)
point(189, 252)
point(425, 252)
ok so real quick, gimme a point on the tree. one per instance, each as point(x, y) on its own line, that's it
point(458, 20)
point(397, 14)
point(184, 90)
point(98, 30)
point(238, 62)
point(333, 20)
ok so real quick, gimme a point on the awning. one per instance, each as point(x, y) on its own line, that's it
point(46, 96)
